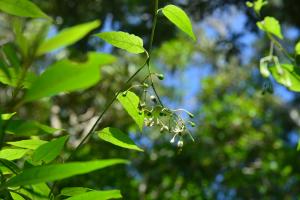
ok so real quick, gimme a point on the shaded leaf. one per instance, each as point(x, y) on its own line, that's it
point(122, 40)
point(67, 36)
point(28, 144)
point(130, 103)
point(67, 76)
point(54, 172)
point(12, 154)
point(49, 151)
point(72, 191)
point(103, 195)
point(22, 8)
point(178, 17)
point(117, 137)
point(28, 128)
point(271, 25)
point(11, 78)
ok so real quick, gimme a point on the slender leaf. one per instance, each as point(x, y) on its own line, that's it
point(11, 78)
point(55, 172)
point(49, 151)
point(178, 17)
point(28, 144)
point(67, 76)
point(122, 40)
point(67, 36)
point(22, 8)
point(7, 116)
point(130, 103)
point(12, 154)
point(72, 191)
point(271, 25)
point(103, 195)
point(28, 128)
point(117, 137)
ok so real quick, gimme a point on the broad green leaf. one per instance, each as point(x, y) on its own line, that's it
point(130, 103)
point(22, 8)
point(67, 76)
point(28, 144)
point(55, 172)
point(271, 25)
point(103, 195)
point(49, 151)
point(72, 191)
point(11, 78)
point(178, 17)
point(117, 137)
point(122, 40)
point(12, 154)
point(67, 36)
point(37, 192)
point(258, 4)
point(28, 128)
point(297, 48)
point(289, 78)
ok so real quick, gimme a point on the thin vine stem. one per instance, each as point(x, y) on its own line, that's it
point(94, 127)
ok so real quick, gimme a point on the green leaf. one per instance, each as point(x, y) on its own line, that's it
point(103, 195)
point(258, 4)
point(67, 76)
point(49, 151)
point(16, 196)
point(12, 154)
point(297, 48)
point(28, 144)
point(28, 128)
point(117, 137)
point(178, 17)
point(67, 36)
point(7, 116)
point(55, 172)
point(130, 103)
point(271, 25)
point(22, 8)
point(289, 78)
point(122, 40)
point(11, 78)
point(72, 191)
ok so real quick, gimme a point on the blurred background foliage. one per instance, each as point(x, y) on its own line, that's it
point(246, 142)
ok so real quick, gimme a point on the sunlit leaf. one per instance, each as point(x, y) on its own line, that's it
point(297, 48)
point(122, 40)
point(103, 195)
point(289, 78)
point(67, 76)
point(28, 144)
point(54, 172)
point(271, 25)
point(7, 116)
point(67, 36)
point(178, 17)
point(12, 154)
point(22, 8)
point(130, 103)
point(49, 151)
point(117, 137)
